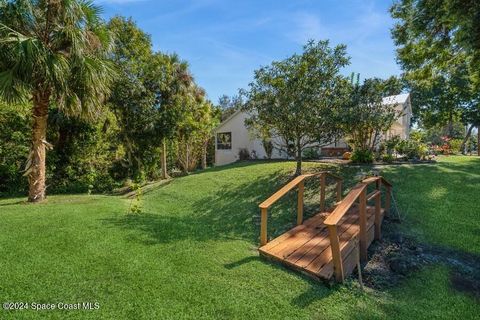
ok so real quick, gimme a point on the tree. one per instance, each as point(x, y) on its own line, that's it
point(195, 130)
point(365, 116)
point(172, 83)
point(298, 98)
point(439, 51)
point(472, 116)
point(53, 52)
point(229, 105)
point(208, 118)
point(133, 97)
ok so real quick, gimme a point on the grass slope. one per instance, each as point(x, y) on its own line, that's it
point(191, 254)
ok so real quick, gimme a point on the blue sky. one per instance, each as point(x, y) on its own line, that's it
point(225, 40)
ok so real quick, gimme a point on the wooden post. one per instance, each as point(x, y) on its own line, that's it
point(336, 254)
point(263, 227)
point(363, 225)
point(387, 200)
point(339, 190)
point(300, 203)
point(322, 192)
point(359, 266)
point(378, 216)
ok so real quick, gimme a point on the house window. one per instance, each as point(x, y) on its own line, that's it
point(224, 141)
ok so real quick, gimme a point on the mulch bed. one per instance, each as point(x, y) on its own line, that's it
point(396, 257)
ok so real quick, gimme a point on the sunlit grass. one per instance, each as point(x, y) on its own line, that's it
point(191, 254)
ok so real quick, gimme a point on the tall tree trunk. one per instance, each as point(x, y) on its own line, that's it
point(298, 171)
point(464, 142)
point(450, 125)
point(164, 160)
point(204, 155)
point(478, 141)
point(187, 158)
point(37, 168)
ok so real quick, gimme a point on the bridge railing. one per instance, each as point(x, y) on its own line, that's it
point(359, 192)
point(297, 182)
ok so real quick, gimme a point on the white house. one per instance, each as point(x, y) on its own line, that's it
point(232, 136)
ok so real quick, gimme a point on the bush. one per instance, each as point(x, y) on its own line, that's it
point(243, 154)
point(412, 149)
point(391, 144)
point(311, 153)
point(388, 158)
point(268, 146)
point(362, 156)
point(455, 145)
point(14, 148)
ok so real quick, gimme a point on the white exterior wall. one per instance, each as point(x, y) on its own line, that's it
point(401, 127)
point(242, 139)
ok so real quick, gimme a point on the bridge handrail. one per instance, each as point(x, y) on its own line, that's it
point(297, 182)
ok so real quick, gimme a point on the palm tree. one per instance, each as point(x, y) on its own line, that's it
point(52, 52)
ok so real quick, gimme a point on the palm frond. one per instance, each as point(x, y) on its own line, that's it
point(60, 45)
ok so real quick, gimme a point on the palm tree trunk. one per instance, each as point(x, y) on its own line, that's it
point(164, 160)
point(469, 133)
point(36, 177)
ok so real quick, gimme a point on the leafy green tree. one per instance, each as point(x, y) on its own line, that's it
point(229, 105)
point(84, 155)
point(439, 51)
point(15, 123)
point(208, 119)
point(172, 82)
point(430, 28)
point(299, 98)
point(54, 53)
point(189, 128)
point(472, 116)
point(132, 101)
point(365, 118)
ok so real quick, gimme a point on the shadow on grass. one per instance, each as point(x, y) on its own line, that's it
point(241, 262)
point(13, 203)
point(316, 291)
point(225, 214)
point(229, 211)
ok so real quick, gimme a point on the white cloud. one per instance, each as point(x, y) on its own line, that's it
point(307, 26)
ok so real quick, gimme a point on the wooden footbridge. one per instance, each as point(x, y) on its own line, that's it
point(328, 244)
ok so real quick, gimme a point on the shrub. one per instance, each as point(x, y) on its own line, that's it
point(391, 144)
point(362, 156)
point(14, 148)
point(268, 146)
point(455, 145)
point(388, 158)
point(412, 149)
point(311, 153)
point(243, 154)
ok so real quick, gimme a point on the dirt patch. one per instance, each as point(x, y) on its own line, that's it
point(397, 257)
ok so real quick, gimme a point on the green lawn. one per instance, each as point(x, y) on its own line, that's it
point(191, 254)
